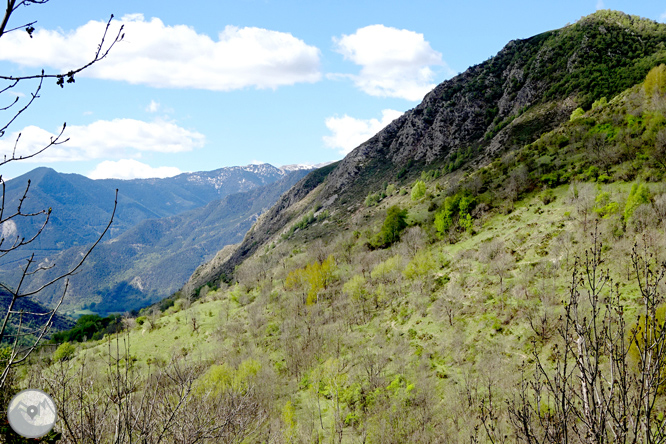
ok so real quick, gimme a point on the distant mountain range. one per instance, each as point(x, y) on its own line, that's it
point(82, 206)
point(163, 228)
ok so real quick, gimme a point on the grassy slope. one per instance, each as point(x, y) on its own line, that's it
point(439, 336)
point(408, 356)
point(510, 100)
point(488, 339)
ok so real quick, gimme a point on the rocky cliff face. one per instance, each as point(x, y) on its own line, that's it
point(530, 87)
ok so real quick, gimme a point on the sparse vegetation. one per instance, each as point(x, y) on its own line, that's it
point(517, 301)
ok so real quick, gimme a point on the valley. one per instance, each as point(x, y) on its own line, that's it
point(145, 258)
point(488, 268)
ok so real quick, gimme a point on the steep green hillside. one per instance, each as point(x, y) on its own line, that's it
point(397, 344)
point(529, 88)
point(463, 276)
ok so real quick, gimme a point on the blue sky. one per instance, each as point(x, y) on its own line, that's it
point(221, 83)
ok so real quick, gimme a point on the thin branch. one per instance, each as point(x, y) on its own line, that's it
point(100, 54)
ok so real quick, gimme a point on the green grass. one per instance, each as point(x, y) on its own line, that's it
point(464, 319)
point(487, 335)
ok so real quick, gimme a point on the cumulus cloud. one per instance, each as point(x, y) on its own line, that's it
point(394, 62)
point(662, 17)
point(349, 132)
point(103, 138)
point(162, 56)
point(130, 169)
point(600, 4)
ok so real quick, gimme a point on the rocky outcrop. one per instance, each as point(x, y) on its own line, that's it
point(530, 87)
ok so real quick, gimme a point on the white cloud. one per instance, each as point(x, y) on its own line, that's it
point(600, 4)
point(394, 62)
point(662, 17)
point(104, 138)
point(130, 169)
point(172, 56)
point(153, 106)
point(349, 132)
point(9, 231)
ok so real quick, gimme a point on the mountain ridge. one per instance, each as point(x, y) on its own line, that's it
point(499, 105)
point(154, 258)
point(432, 302)
point(214, 208)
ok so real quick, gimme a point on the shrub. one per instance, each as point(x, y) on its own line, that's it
point(395, 222)
point(655, 81)
point(221, 378)
point(372, 199)
point(355, 287)
point(423, 264)
point(430, 175)
point(457, 206)
point(592, 173)
point(89, 327)
point(306, 220)
point(547, 196)
point(385, 269)
point(603, 206)
point(166, 304)
point(600, 102)
point(639, 194)
point(313, 278)
point(65, 352)
point(551, 179)
point(418, 190)
point(578, 112)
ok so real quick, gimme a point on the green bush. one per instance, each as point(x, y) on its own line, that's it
point(456, 207)
point(547, 196)
point(306, 220)
point(551, 179)
point(603, 205)
point(655, 81)
point(418, 190)
point(372, 199)
point(65, 352)
point(639, 194)
point(89, 327)
point(430, 175)
point(395, 222)
point(600, 102)
point(578, 112)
